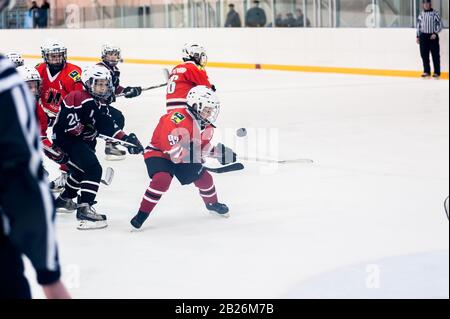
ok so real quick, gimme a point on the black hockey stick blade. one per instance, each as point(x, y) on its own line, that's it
point(226, 169)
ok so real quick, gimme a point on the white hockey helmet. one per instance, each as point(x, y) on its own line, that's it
point(97, 80)
point(15, 58)
point(196, 53)
point(32, 77)
point(205, 103)
point(111, 54)
point(9, 4)
point(54, 53)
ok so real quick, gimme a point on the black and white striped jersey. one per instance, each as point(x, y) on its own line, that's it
point(26, 205)
point(429, 22)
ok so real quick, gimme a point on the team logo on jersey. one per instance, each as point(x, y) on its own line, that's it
point(74, 75)
point(177, 118)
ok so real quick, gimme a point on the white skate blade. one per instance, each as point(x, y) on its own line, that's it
point(64, 211)
point(113, 158)
point(227, 215)
point(89, 225)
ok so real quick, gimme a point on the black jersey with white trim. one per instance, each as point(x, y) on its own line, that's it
point(26, 205)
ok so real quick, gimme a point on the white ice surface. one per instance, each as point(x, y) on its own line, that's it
point(373, 196)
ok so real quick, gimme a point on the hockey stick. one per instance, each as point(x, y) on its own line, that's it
point(166, 76)
point(115, 140)
point(446, 207)
point(226, 169)
point(274, 161)
point(108, 174)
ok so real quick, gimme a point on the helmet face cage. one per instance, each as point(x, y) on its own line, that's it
point(100, 88)
point(195, 53)
point(111, 55)
point(35, 87)
point(16, 59)
point(203, 101)
point(55, 57)
point(31, 76)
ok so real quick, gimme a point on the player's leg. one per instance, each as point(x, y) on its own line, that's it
point(112, 151)
point(83, 156)
point(160, 171)
point(64, 203)
point(207, 189)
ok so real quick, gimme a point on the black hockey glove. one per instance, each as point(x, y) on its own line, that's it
point(56, 154)
point(224, 154)
point(137, 148)
point(213, 87)
point(132, 91)
point(89, 133)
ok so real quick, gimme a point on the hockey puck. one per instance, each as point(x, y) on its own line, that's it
point(241, 132)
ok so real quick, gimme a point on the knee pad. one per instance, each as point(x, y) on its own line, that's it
point(161, 181)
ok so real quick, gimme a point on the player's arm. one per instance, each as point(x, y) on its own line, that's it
point(26, 201)
point(43, 122)
point(74, 80)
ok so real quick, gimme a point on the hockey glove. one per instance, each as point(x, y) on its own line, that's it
point(76, 130)
point(89, 133)
point(213, 87)
point(56, 154)
point(132, 91)
point(137, 148)
point(224, 154)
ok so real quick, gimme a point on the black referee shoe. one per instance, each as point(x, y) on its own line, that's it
point(425, 75)
point(436, 76)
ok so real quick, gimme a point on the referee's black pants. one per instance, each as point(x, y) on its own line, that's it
point(426, 46)
point(13, 284)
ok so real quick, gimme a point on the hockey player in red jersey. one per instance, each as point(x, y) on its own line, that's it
point(187, 75)
point(111, 56)
point(77, 126)
point(59, 78)
point(179, 145)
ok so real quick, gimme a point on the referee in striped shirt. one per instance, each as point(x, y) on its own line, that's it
point(26, 205)
point(429, 24)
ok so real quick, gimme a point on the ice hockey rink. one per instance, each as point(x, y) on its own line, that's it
point(365, 220)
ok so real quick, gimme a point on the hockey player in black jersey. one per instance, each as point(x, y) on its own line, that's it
point(79, 122)
point(111, 56)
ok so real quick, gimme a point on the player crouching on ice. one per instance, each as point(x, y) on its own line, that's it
point(180, 143)
point(77, 126)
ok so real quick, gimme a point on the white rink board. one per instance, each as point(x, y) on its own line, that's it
point(385, 49)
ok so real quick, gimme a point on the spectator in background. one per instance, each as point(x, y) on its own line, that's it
point(43, 14)
point(233, 18)
point(290, 21)
point(279, 21)
point(300, 18)
point(34, 12)
point(255, 17)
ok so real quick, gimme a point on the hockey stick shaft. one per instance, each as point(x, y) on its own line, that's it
point(115, 140)
point(166, 77)
point(226, 169)
point(275, 161)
